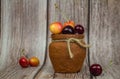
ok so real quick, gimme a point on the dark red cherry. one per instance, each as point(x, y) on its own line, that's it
point(79, 29)
point(23, 61)
point(95, 69)
point(68, 30)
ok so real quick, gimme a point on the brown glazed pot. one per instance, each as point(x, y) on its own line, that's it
point(59, 55)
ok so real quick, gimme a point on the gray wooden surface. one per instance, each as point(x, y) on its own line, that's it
point(24, 24)
point(104, 36)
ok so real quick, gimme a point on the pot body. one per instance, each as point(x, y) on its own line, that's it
point(59, 55)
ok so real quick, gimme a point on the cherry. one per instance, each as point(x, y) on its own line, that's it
point(34, 61)
point(68, 30)
point(95, 69)
point(79, 29)
point(23, 61)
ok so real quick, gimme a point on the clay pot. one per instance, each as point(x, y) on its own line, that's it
point(59, 55)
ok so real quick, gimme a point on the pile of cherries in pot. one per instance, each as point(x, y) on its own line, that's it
point(68, 27)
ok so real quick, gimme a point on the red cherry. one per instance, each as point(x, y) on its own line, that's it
point(95, 69)
point(24, 62)
point(68, 30)
point(79, 29)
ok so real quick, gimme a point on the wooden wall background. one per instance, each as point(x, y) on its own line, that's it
point(24, 24)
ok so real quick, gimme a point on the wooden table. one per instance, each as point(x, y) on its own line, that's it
point(24, 24)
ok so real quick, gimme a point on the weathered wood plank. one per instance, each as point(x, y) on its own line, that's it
point(104, 36)
point(76, 10)
point(23, 25)
point(0, 26)
point(47, 71)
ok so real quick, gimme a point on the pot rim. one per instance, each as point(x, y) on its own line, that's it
point(66, 36)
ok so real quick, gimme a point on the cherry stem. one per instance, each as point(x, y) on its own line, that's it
point(108, 66)
point(22, 52)
point(63, 14)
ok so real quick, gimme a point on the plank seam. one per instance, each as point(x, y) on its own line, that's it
point(47, 22)
point(88, 35)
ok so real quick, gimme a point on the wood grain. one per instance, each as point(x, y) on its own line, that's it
point(23, 25)
point(77, 11)
point(104, 36)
